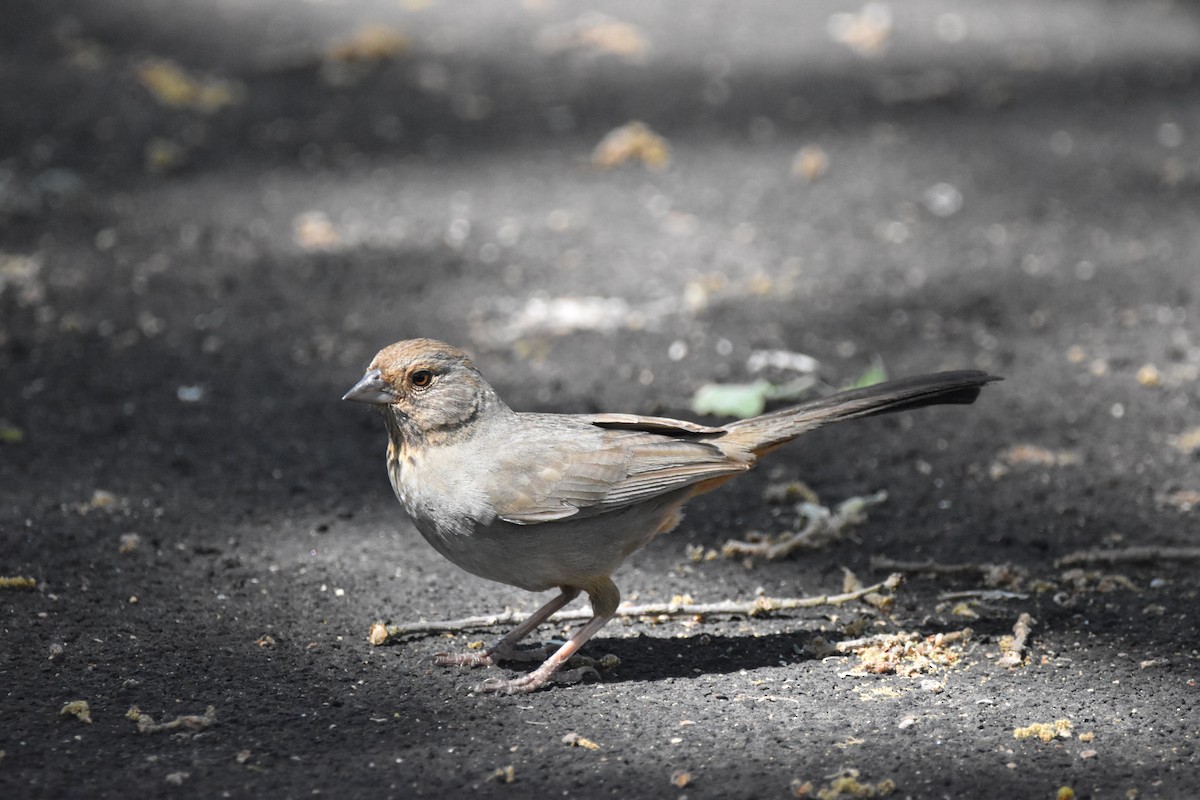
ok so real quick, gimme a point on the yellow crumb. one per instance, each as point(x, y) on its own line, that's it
point(378, 634)
point(78, 709)
point(632, 141)
point(1045, 731)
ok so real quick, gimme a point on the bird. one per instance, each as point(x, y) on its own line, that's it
point(546, 501)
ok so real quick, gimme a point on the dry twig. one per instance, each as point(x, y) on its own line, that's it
point(1013, 648)
point(1126, 555)
point(757, 607)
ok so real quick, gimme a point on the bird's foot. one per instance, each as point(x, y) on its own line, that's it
point(542, 676)
point(488, 658)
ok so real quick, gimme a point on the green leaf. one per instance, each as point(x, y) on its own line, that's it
point(732, 399)
point(874, 374)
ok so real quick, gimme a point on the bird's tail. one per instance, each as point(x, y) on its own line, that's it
point(763, 433)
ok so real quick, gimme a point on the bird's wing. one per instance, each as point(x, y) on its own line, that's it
point(588, 468)
point(636, 422)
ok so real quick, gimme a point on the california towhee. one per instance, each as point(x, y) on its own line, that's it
point(560, 500)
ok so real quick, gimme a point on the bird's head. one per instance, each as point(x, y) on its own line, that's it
point(425, 386)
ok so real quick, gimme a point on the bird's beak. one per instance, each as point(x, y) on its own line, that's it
point(371, 389)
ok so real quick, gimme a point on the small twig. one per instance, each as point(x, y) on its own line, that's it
point(983, 594)
point(1013, 649)
point(757, 607)
point(993, 575)
point(883, 563)
point(188, 722)
point(1129, 554)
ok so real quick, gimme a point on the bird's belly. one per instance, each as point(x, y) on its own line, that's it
point(460, 524)
point(545, 555)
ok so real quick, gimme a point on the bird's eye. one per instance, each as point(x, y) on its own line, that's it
point(421, 378)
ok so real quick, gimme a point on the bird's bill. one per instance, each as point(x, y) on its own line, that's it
point(371, 389)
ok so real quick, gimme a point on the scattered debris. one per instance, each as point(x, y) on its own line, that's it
point(505, 774)
point(784, 360)
point(963, 609)
point(506, 322)
point(378, 634)
point(801, 788)
point(1149, 376)
point(78, 709)
point(1025, 455)
point(1013, 647)
point(370, 43)
point(1081, 580)
point(161, 155)
point(348, 61)
point(906, 653)
point(174, 87)
point(22, 274)
point(575, 740)
point(1044, 731)
point(844, 786)
point(187, 722)
point(17, 582)
point(1182, 499)
point(101, 500)
point(790, 492)
point(313, 230)
point(680, 778)
point(129, 543)
point(1187, 442)
point(177, 778)
point(596, 34)
point(880, 602)
point(866, 32)
point(632, 141)
point(10, 434)
point(822, 526)
point(697, 553)
point(810, 163)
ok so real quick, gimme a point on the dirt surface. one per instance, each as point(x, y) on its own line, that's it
point(212, 214)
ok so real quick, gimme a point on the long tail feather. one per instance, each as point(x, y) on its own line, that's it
point(764, 432)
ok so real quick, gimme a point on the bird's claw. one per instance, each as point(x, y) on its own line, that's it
point(534, 681)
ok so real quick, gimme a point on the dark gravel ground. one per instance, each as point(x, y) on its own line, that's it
point(187, 289)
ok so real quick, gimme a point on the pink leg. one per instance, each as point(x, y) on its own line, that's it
point(605, 597)
point(503, 649)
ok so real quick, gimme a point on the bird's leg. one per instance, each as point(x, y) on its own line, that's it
point(605, 598)
point(503, 649)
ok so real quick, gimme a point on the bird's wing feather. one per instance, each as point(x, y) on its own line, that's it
point(607, 469)
point(636, 422)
